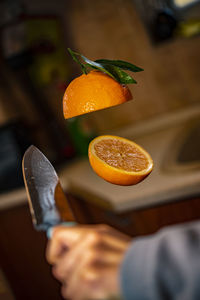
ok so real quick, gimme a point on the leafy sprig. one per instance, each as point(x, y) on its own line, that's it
point(113, 68)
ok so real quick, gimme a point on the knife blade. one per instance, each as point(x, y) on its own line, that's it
point(47, 201)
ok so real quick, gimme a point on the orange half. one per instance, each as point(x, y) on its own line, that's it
point(91, 92)
point(119, 160)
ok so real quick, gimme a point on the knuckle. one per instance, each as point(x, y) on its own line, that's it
point(94, 237)
point(89, 258)
point(103, 227)
point(93, 261)
point(58, 273)
point(89, 277)
point(57, 232)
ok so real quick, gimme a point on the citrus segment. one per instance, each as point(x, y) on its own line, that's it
point(119, 160)
point(91, 92)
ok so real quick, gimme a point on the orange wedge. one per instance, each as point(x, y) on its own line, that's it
point(119, 160)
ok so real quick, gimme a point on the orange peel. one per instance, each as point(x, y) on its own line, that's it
point(91, 92)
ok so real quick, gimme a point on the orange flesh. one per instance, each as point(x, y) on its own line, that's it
point(121, 155)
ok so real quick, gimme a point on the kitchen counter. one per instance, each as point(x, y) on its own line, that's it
point(18, 196)
point(159, 137)
point(12, 198)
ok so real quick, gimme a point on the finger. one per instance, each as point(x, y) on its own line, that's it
point(83, 292)
point(62, 240)
point(91, 250)
point(103, 228)
point(113, 237)
point(67, 265)
point(90, 266)
point(68, 262)
point(114, 243)
point(73, 289)
point(92, 285)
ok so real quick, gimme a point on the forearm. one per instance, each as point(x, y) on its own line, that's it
point(163, 266)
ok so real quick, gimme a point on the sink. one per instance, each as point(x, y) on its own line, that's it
point(184, 152)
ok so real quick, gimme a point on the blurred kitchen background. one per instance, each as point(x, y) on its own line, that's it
point(161, 36)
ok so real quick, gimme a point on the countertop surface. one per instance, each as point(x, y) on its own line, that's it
point(18, 196)
point(159, 137)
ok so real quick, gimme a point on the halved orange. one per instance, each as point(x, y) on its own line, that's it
point(91, 92)
point(119, 160)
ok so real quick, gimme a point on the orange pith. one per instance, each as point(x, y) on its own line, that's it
point(119, 160)
point(91, 92)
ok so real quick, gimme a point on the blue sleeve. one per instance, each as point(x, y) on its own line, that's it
point(163, 266)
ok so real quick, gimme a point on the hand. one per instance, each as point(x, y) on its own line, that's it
point(86, 259)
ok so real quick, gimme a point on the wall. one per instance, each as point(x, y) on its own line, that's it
point(113, 29)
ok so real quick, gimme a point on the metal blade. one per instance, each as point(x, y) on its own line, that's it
point(47, 201)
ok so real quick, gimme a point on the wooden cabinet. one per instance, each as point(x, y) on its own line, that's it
point(141, 221)
point(22, 248)
point(22, 257)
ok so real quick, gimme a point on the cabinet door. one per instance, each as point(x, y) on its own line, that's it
point(141, 221)
point(22, 257)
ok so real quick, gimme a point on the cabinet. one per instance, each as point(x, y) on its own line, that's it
point(22, 257)
point(141, 221)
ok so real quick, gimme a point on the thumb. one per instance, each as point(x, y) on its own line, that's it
point(63, 238)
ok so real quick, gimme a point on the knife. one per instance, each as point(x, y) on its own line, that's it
point(47, 201)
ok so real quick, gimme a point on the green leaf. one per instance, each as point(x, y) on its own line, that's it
point(74, 56)
point(121, 76)
point(96, 66)
point(88, 63)
point(121, 64)
point(113, 68)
